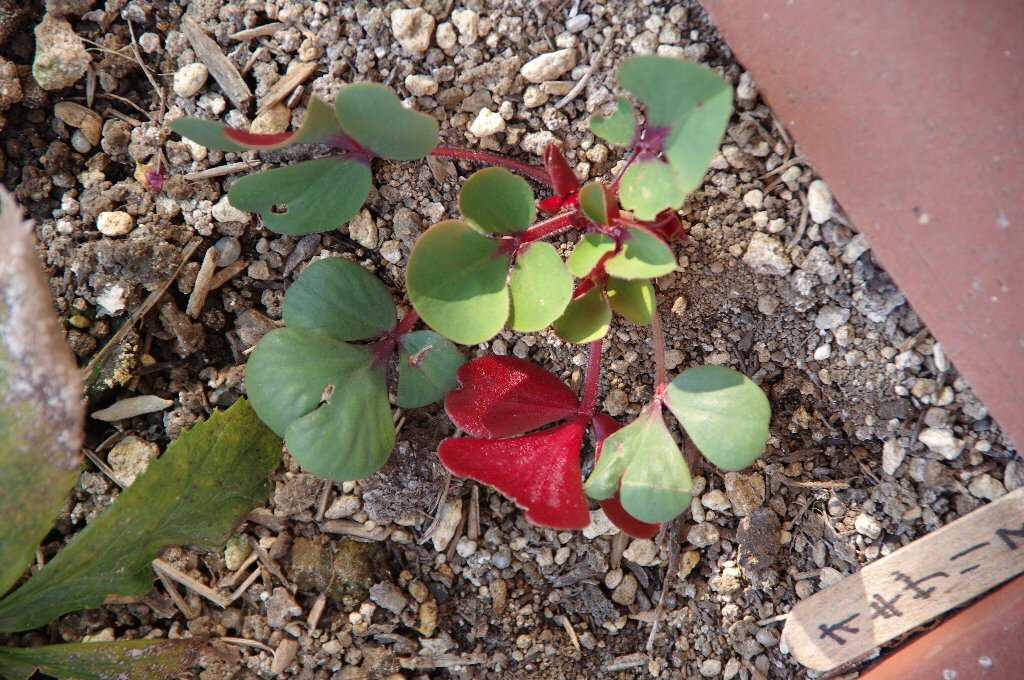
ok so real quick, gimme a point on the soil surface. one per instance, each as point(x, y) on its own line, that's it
point(410, 573)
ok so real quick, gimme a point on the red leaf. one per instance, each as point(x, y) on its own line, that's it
point(550, 205)
point(604, 425)
point(540, 471)
point(563, 179)
point(666, 225)
point(256, 140)
point(502, 396)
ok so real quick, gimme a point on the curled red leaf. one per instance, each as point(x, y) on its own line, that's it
point(256, 140)
point(605, 425)
point(501, 396)
point(540, 471)
point(563, 179)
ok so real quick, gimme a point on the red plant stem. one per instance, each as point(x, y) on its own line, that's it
point(548, 227)
point(406, 324)
point(659, 353)
point(534, 172)
point(588, 403)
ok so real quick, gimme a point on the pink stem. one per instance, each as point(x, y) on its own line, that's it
point(659, 353)
point(406, 324)
point(548, 227)
point(532, 171)
point(588, 403)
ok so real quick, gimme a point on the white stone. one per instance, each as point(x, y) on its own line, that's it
point(711, 668)
point(643, 552)
point(465, 547)
point(447, 525)
point(942, 442)
point(487, 123)
point(189, 79)
point(112, 300)
point(413, 28)
point(716, 500)
point(829, 576)
point(830, 317)
point(115, 223)
point(446, 39)
point(599, 525)
point(534, 97)
point(578, 23)
point(987, 487)
point(343, 506)
point(223, 211)
point(857, 246)
point(754, 199)
point(866, 525)
point(363, 230)
point(467, 22)
point(766, 255)
point(273, 121)
point(550, 66)
point(130, 457)
point(823, 352)
point(892, 456)
point(420, 85)
point(819, 201)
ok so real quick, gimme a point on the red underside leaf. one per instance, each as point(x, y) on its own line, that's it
point(540, 471)
point(563, 179)
point(256, 140)
point(550, 205)
point(501, 396)
point(604, 425)
point(666, 224)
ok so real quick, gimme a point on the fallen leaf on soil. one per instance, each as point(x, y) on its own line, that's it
point(101, 660)
point(131, 407)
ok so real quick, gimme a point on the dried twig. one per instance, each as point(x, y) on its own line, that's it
point(575, 91)
point(670, 573)
point(221, 170)
point(201, 288)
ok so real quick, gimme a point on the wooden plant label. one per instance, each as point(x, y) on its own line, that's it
point(916, 583)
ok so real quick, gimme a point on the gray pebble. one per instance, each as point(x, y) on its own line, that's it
point(228, 251)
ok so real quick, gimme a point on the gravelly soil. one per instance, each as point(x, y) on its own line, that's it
point(875, 438)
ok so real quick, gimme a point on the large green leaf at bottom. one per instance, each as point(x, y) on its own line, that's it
point(540, 287)
point(648, 187)
point(457, 282)
point(373, 115)
point(723, 411)
point(41, 408)
point(427, 363)
point(632, 299)
point(305, 197)
point(137, 659)
point(643, 256)
point(586, 318)
point(206, 482)
point(642, 462)
point(339, 298)
point(327, 398)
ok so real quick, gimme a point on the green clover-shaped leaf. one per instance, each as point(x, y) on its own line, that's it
point(494, 201)
point(632, 299)
point(642, 462)
point(723, 411)
point(457, 282)
point(427, 364)
point(339, 298)
point(373, 115)
point(595, 202)
point(618, 128)
point(586, 318)
point(588, 252)
point(643, 256)
point(305, 197)
point(650, 186)
point(540, 287)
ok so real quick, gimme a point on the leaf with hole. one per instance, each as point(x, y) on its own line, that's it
point(457, 282)
point(632, 299)
point(540, 287)
point(427, 364)
point(586, 318)
point(338, 298)
point(306, 197)
point(643, 256)
point(494, 201)
point(619, 127)
point(723, 411)
point(373, 115)
point(588, 252)
point(197, 492)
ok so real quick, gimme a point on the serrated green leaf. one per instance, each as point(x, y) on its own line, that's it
point(594, 202)
point(327, 398)
point(588, 252)
point(618, 128)
point(427, 363)
point(373, 115)
point(642, 462)
point(196, 493)
point(102, 660)
point(632, 299)
point(494, 201)
point(648, 187)
point(586, 318)
point(643, 256)
point(208, 133)
point(41, 410)
point(540, 287)
point(306, 197)
point(340, 299)
point(692, 100)
point(723, 411)
point(457, 282)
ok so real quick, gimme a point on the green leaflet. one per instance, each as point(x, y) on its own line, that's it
point(586, 319)
point(643, 256)
point(648, 187)
point(618, 128)
point(723, 411)
point(594, 202)
point(494, 201)
point(427, 363)
point(340, 299)
point(196, 493)
point(102, 660)
point(373, 115)
point(632, 299)
point(327, 398)
point(41, 412)
point(457, 282)
point(540, 287)
point(208, 133)
point(588, 252)
point(306, 197)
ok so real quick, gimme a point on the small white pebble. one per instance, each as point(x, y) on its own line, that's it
point(114, 223)
point(190, 79)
